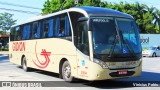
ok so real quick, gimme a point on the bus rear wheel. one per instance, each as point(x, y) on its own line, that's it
point(66, 72)
point(24, 64)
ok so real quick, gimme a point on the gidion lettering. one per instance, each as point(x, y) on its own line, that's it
point(18, 46)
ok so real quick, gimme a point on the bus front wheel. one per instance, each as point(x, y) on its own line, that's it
point(66, 72)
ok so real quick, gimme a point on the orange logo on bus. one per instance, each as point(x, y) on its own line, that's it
point(47, 59)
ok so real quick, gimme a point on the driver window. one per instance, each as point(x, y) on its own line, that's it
point(82, 44)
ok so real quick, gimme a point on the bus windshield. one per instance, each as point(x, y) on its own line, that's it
point(115, 36)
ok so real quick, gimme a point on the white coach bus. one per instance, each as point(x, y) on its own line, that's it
point(90, 43)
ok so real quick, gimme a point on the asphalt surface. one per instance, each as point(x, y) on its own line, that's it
point(11, 72)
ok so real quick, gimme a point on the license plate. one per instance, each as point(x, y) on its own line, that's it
point(122, 72)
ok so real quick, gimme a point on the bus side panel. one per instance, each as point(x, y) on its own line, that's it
point(62, 50)
point(46, 54)
point(16, 50)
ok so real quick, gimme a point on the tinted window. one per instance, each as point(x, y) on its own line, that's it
point(58, 26)
point(45, 29)
point(129, 32)
point(74, 16)
point(12, 33)
point(62, 26)
point(18, 33)
point(104, 33)
point(26, 31)
point(60, 23)
point(51, 28)
point(82, 39)
point(34, 30)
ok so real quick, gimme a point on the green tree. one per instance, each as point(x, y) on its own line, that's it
point(90, 2)
point(157, 20)
point(47, 7)
point(51, 6)
point(6, 22)
point(68, 4)
point(144, 15)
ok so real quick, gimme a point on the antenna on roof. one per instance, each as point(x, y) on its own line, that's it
point(62, 4)
point(76, 1)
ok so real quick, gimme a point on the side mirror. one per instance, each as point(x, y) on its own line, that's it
point(82, 19)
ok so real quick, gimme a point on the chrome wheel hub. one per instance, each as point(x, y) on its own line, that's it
point(67, 72)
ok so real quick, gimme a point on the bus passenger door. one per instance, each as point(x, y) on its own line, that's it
point(82, 49)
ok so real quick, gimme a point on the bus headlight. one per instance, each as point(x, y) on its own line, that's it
point(101, 63)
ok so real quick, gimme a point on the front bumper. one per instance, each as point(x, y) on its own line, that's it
point(99, 73)
point(146, 55)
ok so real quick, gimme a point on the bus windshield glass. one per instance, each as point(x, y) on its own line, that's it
point(115, 36)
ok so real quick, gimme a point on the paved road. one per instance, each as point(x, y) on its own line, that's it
point(11, 72)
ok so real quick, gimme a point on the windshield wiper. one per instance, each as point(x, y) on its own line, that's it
point(113, 46)
point(129, 48)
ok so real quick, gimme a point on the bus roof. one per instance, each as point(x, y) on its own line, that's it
point(99, 11)
point(90, 10)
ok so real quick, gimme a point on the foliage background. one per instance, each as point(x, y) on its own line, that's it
point(147, 18)
point(6, 22)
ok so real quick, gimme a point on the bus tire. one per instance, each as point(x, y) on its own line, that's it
point(66, 72)
point(24, 64)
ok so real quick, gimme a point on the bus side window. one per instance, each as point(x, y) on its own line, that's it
point(74, 16)
point(38, 33)
point(18, 34)
point(67, 27)
point(62, 27)
point(34, 30)
point(57, 26)
point(45, 29)
point(24, 36)
point(62, 24)
point(12, 34)
point(31, 30)
point(82, 40)
point(51, 28)
point(26, 32)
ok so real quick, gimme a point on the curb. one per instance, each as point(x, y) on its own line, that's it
point(5, 53)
